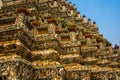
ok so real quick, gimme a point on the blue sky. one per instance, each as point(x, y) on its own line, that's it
point(107, 15)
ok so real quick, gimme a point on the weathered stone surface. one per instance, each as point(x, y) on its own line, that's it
point(49, 39)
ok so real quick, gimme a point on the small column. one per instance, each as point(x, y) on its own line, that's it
point(73, 36)
point(101, 45)
point(88, 41)
point(21, 17)
point(55, 3)
point(84, 19)
point(19, 20)
point(51, 28)
point(64, 8)
point(80, 34)
point(78, 15)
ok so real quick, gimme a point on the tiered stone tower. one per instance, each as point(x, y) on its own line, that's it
point(50, 40)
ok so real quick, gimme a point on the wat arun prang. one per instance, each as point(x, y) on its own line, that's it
point(50, 40)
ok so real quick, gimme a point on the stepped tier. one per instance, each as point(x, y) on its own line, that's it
point(50, 40)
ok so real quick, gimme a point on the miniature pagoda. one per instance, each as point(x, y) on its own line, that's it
point(50, 40)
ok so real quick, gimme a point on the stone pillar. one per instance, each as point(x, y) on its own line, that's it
point(101, 45)
point(51, 28)
point(19, 20)
point(88, 41)
point(73, 36)
point(63, 8)
point(55, 4)
point(81, 35)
